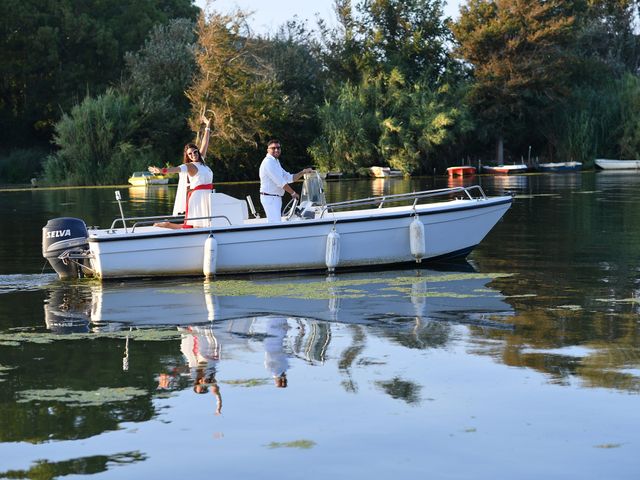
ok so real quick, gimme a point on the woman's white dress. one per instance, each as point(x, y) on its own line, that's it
point(180, 204)
point(200, 200)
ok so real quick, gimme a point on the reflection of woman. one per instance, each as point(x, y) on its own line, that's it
point(205, 381)
point(194, 185)
point(202, 351)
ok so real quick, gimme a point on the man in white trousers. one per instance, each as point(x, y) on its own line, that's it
point(274, 181)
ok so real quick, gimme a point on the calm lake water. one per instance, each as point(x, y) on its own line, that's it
point(521, 362)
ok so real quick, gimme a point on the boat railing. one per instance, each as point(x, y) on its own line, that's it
point(471, 193)
point(143, 221)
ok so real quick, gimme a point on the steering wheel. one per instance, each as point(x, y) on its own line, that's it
point(290, 208)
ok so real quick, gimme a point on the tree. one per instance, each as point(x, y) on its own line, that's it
point(52, 52)
point(406, 35)
point(158, 76)
point(292, 54)
point(237, 88)
point(96, 142)
point(385, 118)
point(608, 36)
point(396, 104)
point(522, 61)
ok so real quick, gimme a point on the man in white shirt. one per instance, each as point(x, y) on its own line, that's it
point(274, 181)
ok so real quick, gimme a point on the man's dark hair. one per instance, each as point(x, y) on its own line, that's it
point(273, 140)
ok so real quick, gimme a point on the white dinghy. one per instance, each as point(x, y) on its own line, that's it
point(607, 164)
point(393, 229)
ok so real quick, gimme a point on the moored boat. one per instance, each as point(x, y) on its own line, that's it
point(384, 172)
point(142, 179)
point(607, 164)
point(505, 169)
point(391, 229)
point(559, 167)
point(461, 171)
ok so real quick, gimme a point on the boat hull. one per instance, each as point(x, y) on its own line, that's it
point(559, 167)
point(461, 171)
point(141, 182)
point(368, 238)
point(384, 172)
point(505, 169)
point(617, 164)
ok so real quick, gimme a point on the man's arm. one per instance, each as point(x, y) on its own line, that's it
point(300, 174)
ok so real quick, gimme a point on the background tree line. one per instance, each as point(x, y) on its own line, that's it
point(94, 90)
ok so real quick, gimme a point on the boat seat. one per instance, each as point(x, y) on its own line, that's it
point(234, 209)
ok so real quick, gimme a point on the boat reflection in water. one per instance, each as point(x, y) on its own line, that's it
point(353, 298)
point(502, 183)
point(139, 195)
point(68, 311)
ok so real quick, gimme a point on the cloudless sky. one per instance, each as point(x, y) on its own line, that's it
point(270, 14)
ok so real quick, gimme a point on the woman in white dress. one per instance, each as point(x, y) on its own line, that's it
point(200, 186)
point(180, 204)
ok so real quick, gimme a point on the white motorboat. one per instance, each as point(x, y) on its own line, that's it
point(607, 164)
point(144, 179)
point(369, 232)
point(384, 172)
point(505, 169)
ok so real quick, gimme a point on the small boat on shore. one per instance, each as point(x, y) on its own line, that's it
point(368, 232)
point(559, 167)
point(142, 179)
point(505, 169)
point(384, 172)
point(333, 175)
point(607, 164)
point(461, 171)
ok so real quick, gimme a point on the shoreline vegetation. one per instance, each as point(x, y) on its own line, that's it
point(394, 83)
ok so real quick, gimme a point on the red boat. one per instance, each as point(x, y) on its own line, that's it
point(461, 171)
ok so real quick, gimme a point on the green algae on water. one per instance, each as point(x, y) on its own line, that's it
point(247, 383)
point(144, 334)
point(325, 289)
point(432, 293)
point(302, 444)
point(79, 398)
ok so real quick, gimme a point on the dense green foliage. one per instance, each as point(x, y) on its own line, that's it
point(399, 108)
point(52, 52)
point(539, 68)
point(157, 76)
point(98, 142)
point(113, 86)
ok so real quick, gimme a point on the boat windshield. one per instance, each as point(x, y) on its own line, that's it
point(313, 190)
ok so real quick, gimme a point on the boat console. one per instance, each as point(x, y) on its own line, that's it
point(312, 199)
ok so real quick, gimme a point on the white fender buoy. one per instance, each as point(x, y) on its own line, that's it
point(210, 256)
point(416, 239)
point(332, 253)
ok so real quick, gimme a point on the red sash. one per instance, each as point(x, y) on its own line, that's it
point(206, 186)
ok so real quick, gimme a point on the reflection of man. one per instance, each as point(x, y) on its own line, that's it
point(276, 360)
point(274, 181)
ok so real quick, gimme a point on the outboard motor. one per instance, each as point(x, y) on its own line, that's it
point(61, 239)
